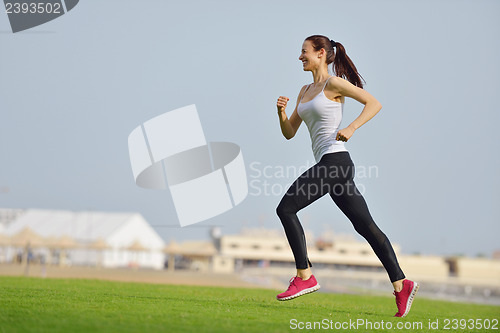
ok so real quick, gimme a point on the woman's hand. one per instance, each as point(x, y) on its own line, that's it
point(281, 104)
point(345, 134)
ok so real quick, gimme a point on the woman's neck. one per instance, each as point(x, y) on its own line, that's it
point(320, 74)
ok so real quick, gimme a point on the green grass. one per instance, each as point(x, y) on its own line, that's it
point(73, 305)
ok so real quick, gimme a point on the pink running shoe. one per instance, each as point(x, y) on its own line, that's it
point(404, 298)
point(299, 287)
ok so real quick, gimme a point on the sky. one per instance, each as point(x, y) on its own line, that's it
point(73, 89)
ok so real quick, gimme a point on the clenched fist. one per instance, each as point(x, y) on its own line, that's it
point(345, 134)
point(281, 104)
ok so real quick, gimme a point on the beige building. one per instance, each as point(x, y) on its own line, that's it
point(272, 245)
point(264, 248)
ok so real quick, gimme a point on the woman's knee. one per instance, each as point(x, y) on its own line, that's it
point(286, 206)
point(362, 229)
point(369, 230)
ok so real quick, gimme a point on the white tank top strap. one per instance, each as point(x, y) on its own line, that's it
point(304, 92)
point(326, 82)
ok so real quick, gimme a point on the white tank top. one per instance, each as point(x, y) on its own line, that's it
point(322, 117)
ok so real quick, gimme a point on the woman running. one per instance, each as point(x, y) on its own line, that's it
point(320, 105)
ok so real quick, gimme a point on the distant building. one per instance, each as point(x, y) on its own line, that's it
point(84, 237)
point(270, 248)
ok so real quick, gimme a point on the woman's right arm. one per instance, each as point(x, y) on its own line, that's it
point(289, 126)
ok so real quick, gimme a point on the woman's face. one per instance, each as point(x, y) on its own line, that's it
point(309, 56)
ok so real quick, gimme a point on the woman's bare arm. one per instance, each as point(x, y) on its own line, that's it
point(289, 126)
point(372, 105)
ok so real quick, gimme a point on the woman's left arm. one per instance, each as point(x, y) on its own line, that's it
point(372, 106)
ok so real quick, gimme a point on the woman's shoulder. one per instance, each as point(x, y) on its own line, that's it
point(303, 89)
point(336, 84)
point(335, 81)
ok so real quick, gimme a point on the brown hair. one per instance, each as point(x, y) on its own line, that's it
point(342, 65)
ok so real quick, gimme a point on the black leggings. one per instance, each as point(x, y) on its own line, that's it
point(333, 174)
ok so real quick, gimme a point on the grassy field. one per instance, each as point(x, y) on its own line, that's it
point(74, 305)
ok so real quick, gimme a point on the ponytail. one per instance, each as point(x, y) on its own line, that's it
point(342, 65)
